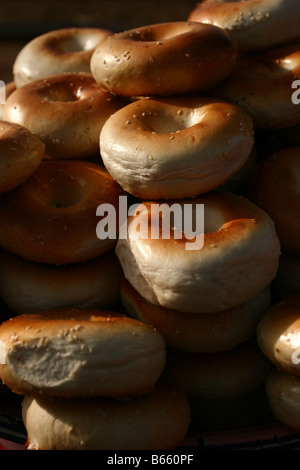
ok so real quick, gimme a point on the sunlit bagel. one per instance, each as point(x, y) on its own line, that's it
point(278, 334)
point(55, 52)
point(175, 147)
point(51, 218)
point(253, 24)
point(65, 111)
point(158, 420)
point(263, 85)
point(164, 59)
point(205, 254)
point(80, 353)
point(199, 332)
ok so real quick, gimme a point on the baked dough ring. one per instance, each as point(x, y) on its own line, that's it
point(52, 217)
point(157, 420)
point(56, 52)
point(176, 147)
point(198, 333)
point(283, 396)
point(27, 286)
point(172, 58)
point(80, 353)
point(278, 334)
point(262, 84)
point(253, 24)
point(21, 153)
point(238, 259)
point(274, 187)
point(66, 111)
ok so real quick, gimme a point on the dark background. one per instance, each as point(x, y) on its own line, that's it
point(22, 20)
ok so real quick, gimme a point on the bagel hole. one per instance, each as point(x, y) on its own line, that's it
point(74, 43)
point(65, 92)
point(64, 195)
point(172, 121)
point(64, 200)
point(183, 217)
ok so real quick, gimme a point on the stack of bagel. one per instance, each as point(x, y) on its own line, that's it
point(124, 342)
point(78, 363)
point(278, 338)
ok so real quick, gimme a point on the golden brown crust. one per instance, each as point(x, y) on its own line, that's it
point(21, 153)
point(238, 259)
point(55, 52)
point(80, 353)
point(172, 58)
point(274, 187)
point(27, 286)
point(66, 111)
point(262, 85)
point(278, 334)
point(157, 420)
point(176, 147)
point(253, 24)
point(199, 333)
point(52, 217)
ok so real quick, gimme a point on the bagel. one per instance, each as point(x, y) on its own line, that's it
point(278, 334)
point(80, 353)
point(66, 111)
point(55, 52)
point(283, 397)
point(274, 188)
point(175, 147)
point(164, 59)
point(21, 154)
point(262, 84)
point(253, 24)
point(157, 420)
point(234, 260)
point(198, 333)
point(226, 389)
point(51, 218)
point(27, 286)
